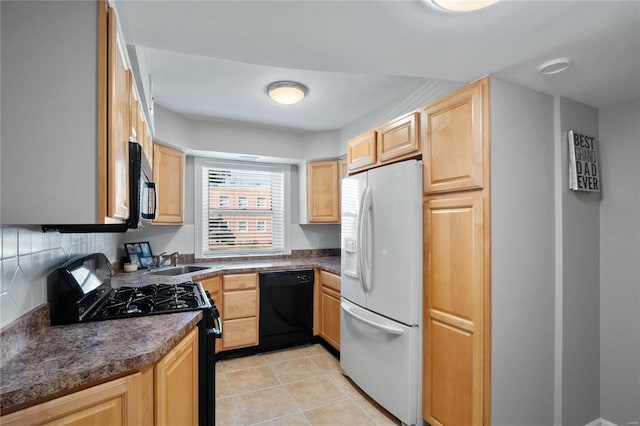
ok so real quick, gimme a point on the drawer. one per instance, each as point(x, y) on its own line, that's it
point(239, 333)
point(240, 281)
point(239, 304)
point(330, 280)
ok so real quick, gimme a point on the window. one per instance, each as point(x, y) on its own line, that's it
point(243, 209)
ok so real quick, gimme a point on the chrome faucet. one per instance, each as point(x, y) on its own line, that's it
point(161, 258)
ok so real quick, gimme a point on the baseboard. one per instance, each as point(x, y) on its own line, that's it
point(601, 422)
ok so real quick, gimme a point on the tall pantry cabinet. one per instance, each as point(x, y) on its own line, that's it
point(457, 258)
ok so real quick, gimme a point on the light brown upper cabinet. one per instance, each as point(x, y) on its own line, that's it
point(398, 139)
point(134, 106)
point(454, 133)
point(343, 167)
point(361, 152)
point(118, 106)
point(168, 175)
point(147, 143)
point(323, 192)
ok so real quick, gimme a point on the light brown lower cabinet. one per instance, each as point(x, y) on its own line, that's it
point(132, 400)
point(113, 403)
point(240, 311)
point(176, 392)
point(330, 308)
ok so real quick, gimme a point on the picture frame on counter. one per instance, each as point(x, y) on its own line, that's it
point(139, 254)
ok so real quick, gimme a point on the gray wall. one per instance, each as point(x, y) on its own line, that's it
point(580, 323)
point(226, 138)
point(522, 238)
point(49, 112)
point(620, 264)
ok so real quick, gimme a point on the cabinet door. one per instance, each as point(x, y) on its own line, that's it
point(330, 308)
point(330, 280)
point(147, 145)
point(330, 317)
point(323, 192)
point(240, 333)
point(168, 174)
point(455, 134)
point(240, 281)
point(177, 384)
point(134, 105)
point(239, 304)
point(118, 128)
point(398, 139)
point(457, 296)
point(114, 403)
point(361, 151)
point(344, 168)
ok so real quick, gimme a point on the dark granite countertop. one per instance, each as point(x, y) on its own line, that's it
point(70, 356)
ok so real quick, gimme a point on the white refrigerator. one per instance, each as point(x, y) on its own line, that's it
point(381, 287)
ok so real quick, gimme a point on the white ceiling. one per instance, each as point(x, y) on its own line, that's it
point(215, 58)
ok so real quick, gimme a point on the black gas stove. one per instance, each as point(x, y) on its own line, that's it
point(80, 291)
point(152, 299)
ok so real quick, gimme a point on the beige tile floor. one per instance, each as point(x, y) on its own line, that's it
point(298, 386)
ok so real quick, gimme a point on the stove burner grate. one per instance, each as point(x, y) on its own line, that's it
point(131, 301)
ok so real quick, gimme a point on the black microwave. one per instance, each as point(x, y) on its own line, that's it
point(142, 189)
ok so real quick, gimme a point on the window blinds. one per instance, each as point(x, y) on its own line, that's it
point(243, 209)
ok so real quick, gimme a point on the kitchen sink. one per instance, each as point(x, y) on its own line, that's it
point(184, 269)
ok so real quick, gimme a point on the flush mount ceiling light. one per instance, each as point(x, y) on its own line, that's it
point(462, 5)
point(287, 92)
point(554, 66)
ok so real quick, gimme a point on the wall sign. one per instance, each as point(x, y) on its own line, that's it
point(584, 167)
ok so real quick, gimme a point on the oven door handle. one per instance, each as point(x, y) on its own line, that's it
point(212, 330)
point(218, 331)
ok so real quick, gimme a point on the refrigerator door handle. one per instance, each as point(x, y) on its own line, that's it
point(364, 241)
point(384, 327)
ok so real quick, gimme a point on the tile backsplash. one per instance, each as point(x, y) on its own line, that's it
point(28, 255)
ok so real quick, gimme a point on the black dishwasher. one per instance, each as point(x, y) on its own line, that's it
point(286, 309)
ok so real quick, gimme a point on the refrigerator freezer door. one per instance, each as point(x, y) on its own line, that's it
point(396, 241)
point(382, 357)
point(352, 194)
